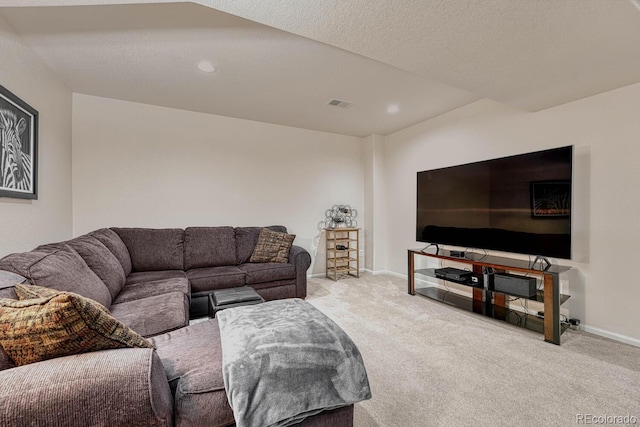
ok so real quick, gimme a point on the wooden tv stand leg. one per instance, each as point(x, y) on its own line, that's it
point(411, 273)
point(551, 308)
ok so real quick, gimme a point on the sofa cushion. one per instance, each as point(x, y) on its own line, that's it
point(149, 289)
point(154, 315)
point(8, 293)
point(267, 272)
point(154, 248)
point(152, 276)
point(272, 246)
point(247, 238)
point(101, 260)
point(209, 279)
point(114, 243)
point(209, 247)
point(192, 359)
point(9, 279)
point(63, 270)
point(37, 329)
point(52, 247)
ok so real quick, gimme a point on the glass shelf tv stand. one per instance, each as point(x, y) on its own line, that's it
point(490, 302)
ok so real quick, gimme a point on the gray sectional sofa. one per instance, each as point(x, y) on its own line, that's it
point(150, 280)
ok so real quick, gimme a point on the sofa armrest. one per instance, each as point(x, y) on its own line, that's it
point(110, 387)
point(301, 259)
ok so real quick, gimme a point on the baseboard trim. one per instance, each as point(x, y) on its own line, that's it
point(611, 335)
point(309, 276)
point(390, 273)
point(365, 270)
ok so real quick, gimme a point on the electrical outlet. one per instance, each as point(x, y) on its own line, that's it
point(361, 252)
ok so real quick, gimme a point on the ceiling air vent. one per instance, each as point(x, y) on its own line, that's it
point(340, 103)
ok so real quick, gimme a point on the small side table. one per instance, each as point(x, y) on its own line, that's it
point(232, 297)
point(343, 252)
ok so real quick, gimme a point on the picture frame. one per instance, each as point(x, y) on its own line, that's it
point(18, 147)
point(551, 199)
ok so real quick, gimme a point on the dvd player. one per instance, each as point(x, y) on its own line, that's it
point(451, 273)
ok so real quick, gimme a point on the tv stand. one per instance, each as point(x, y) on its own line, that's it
point(486, 301)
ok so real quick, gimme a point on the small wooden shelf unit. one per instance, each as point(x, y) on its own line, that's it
point(342, 262)
point(492, 303)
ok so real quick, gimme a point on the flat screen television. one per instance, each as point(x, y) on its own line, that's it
point(519, 204)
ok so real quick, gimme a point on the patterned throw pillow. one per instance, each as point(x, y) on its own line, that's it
point(272, 246)
point(60, 324)
point(33, 291)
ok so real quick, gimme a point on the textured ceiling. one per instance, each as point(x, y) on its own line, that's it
point(280, 61)
point(147, 53)
point(533, 54)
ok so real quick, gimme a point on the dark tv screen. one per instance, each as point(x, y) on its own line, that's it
point(519, 204)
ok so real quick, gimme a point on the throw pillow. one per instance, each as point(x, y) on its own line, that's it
point(36, 329)
point(34, 291)
point(272, 246)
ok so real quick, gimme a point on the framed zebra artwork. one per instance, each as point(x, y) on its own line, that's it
point(18, 147)
point(551, 199)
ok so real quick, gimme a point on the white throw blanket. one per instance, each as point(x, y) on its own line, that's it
point(284, 361)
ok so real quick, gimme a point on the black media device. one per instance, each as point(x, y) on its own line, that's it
point(454, 274)
point(457, 254)
point(512, 284)
point(519, 204)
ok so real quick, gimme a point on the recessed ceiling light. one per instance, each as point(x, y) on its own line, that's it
point(393, 108)
point(206, 66)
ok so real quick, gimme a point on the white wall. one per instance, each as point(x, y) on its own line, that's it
point(25, 224)
point(147, 166)
point(375, 226)
point(605, 131)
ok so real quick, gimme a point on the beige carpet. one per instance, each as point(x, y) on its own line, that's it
point(433, 365)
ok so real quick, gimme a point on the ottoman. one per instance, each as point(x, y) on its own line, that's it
point(192, 359)
point(232, 297)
